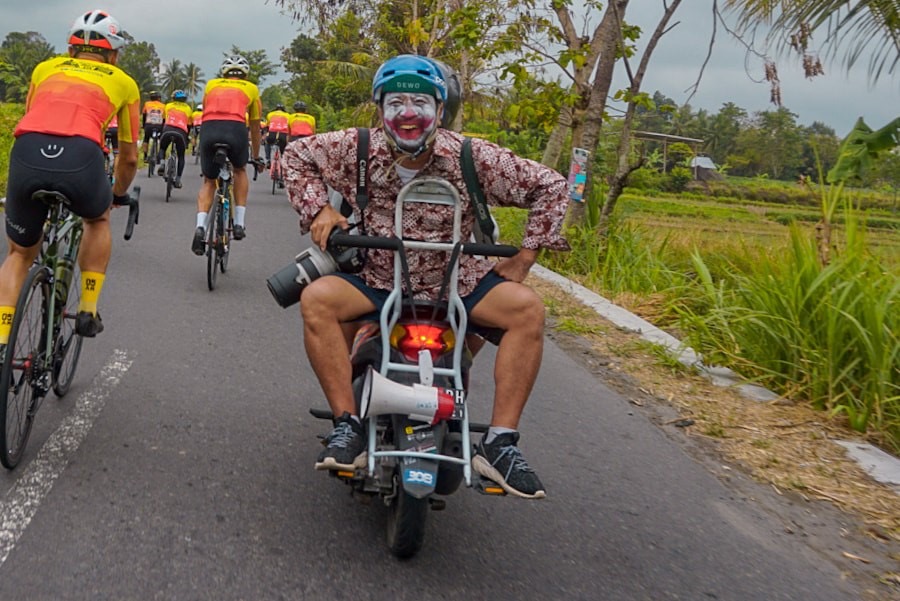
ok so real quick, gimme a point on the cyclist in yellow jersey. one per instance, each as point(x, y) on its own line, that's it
point(152, 119)
point(230, 105)
point(278, 131)
point(196, 120)
point(301, 123)
point(58, 146)
point(175, 131)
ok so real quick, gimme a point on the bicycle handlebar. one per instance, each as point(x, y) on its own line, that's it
point(258, 166)
point(469, 248)
point(134, 210)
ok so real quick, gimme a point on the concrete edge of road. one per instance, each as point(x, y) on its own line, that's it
point(883, 467)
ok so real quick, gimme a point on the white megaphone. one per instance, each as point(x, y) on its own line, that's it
point(422, 403)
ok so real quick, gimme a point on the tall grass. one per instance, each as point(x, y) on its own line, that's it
point(766, 307)
point(829, 335)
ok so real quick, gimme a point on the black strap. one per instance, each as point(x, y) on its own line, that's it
point(362, 178)
point(482, 214)
point(362, 168)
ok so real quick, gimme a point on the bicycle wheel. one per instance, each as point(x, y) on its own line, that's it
point(67, 349)
point(212, 255)
point(170, 175)
point(151, 158)
point(22, 368)
point(225, 226)
point(274, 178)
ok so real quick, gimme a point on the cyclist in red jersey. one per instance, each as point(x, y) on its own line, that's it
point(231, 104)
point(59, 146)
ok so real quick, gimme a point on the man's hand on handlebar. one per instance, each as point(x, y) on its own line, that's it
point(324, 222)
point(515, 269)
point(121, 200)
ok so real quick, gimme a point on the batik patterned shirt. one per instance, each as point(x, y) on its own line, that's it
point(329, 159)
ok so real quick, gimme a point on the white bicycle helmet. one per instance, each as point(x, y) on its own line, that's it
point(96, 28)
point(235, 65)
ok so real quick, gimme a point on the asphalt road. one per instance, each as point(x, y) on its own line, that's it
point(180, 466)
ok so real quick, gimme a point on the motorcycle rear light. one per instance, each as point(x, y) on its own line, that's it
point(409, 339)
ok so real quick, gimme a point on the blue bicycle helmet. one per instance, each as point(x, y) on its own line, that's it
point(179, 95)
point(409, 73)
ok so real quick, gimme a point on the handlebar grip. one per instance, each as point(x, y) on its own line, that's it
point(134, 210)
point(490, 250)
point(340, 239)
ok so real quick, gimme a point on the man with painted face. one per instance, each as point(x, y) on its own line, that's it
point(410, 92)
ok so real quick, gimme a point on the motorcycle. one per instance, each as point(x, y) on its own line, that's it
point(410, 378)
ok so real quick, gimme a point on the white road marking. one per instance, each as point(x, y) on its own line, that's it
point(23, 501)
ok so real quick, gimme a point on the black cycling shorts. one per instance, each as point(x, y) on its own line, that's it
point(73, 166)
point(279, 138)
point(112, 135)
point(233, 133)
point(149, 129)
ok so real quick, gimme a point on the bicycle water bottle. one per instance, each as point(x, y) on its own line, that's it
point(63, 278)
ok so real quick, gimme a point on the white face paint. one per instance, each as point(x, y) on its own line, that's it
point(410, 119)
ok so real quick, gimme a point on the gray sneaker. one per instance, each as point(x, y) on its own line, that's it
point(345, 446)
point(502, 462)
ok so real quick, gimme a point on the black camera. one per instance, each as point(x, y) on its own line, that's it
point(289, 281)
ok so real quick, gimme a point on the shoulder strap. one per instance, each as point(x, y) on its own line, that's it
point(485, 223)
point(362, 169)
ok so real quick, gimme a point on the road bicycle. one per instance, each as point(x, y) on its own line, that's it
point(154, 151)
point(109, 158)
point(275, 171)
point(220, 219)
point(195, 147)
point(170, 170)
point(43, 348)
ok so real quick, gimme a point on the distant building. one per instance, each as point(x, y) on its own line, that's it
point(704, 169)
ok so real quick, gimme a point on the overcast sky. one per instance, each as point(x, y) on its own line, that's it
point(200, 31)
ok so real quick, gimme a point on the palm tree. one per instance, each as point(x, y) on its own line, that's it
point(194, 80)
point(857, 25)
point(172, 78)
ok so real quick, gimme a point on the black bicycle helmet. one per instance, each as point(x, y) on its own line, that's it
point(454, 92)
point(300, 106)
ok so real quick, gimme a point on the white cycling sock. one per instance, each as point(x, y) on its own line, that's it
point(494, 431)
point(201, 219)
point(239, 213)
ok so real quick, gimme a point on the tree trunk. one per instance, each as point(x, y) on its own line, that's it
point(609, 33)
point(624, 166)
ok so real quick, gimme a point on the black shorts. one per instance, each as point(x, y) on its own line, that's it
point(279, 138)
point(379, 297)
point(233, 133)
point(112, 135)
point(73, 166)
point(149, 129)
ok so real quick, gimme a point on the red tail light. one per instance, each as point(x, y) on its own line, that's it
point(409, 339)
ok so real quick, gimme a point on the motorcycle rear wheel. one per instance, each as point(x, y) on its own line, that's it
point(406, 521)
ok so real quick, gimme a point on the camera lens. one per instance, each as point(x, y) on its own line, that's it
point(287, 284)
point(284, 287)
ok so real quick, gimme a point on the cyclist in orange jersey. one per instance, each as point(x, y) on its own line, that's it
point(175, 131)
point(301, 123)
point(58, 146)
point(153, 117)
point(230, 105)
